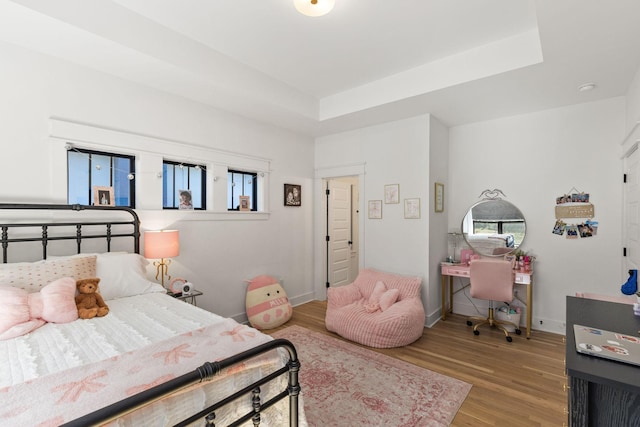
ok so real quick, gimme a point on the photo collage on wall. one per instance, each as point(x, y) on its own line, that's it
point(575, 206)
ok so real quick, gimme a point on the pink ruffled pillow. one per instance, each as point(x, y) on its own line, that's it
point(22, 312)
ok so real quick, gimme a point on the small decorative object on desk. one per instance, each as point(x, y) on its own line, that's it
point(465, 256)
point(523, 261)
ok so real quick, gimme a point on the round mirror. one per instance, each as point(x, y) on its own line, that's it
point(494, 227)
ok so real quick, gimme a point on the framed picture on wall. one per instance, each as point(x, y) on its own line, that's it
point(392, 193)
point(412, 208)
point(292, 195)
point(375, 209)
point(439, 197)
point(103, 196)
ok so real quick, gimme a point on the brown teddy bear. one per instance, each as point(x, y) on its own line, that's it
point(89, 302)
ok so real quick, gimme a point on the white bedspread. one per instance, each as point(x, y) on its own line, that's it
point(136, 328)
point(132, 323)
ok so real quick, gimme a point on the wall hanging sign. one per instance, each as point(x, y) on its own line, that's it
point(574, 205)
point(581, 211)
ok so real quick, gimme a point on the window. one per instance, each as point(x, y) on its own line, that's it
point(514, 227)
point(241, 184)
point(87, 169)
point(178, 177)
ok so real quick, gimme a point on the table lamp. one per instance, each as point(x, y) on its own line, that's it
point(161, 244)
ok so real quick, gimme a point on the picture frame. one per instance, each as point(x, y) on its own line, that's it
point(292, 195)
point(185, 200)
point(245, 203)
point(103, 196)
point(375, 209)
point(439, 197)
point(412, 208)
point(392, 193)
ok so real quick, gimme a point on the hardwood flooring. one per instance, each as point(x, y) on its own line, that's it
point(514, 384)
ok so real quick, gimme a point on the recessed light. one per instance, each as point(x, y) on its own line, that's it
point(586, 87)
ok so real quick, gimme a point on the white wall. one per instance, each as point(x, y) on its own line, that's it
point(533, 159)
point(536, 158)
point(438, 221)
point(392, 153)
point(633, 103)
point(216, 255)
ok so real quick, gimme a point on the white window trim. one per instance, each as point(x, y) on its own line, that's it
point(150, 153)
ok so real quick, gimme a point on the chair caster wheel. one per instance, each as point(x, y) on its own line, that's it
point(509, 339)
point(518, 332)
point(469, 323)
point(476, 332)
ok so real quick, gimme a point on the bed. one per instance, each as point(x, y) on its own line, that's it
point(152, 360)
point(486, 243)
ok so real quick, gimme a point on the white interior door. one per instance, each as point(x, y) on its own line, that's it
point(355, 229)
point(631, 238)
point(339, 233)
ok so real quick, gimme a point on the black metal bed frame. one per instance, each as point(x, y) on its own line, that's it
point(78, 236)
point(206, 372)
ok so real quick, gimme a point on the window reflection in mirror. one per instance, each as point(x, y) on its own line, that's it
point(494, 227)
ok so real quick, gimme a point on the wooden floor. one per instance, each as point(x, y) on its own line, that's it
point(514, 384)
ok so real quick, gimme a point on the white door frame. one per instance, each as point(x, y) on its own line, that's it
point(320, 259)
point(629, 225)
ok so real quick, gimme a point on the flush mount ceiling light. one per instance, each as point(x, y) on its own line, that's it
point(586, 87)
point(314, 7)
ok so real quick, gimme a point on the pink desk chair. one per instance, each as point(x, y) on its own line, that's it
point(492, 280)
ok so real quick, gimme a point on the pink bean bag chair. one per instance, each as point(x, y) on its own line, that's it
point(378, 309)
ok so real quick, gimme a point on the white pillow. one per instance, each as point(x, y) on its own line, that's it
point(122, 275)
point(33, 276)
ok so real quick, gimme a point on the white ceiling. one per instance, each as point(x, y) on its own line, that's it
point(366, 62)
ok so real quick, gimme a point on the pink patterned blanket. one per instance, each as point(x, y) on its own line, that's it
point(64, 396)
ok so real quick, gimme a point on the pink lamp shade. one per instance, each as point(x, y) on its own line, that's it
point(161, 244)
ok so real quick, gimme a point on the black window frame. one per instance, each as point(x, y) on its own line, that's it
point(203, 183)
point(254, 193)
point(131, 171)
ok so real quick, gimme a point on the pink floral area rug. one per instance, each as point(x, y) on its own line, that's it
point(347, 385)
